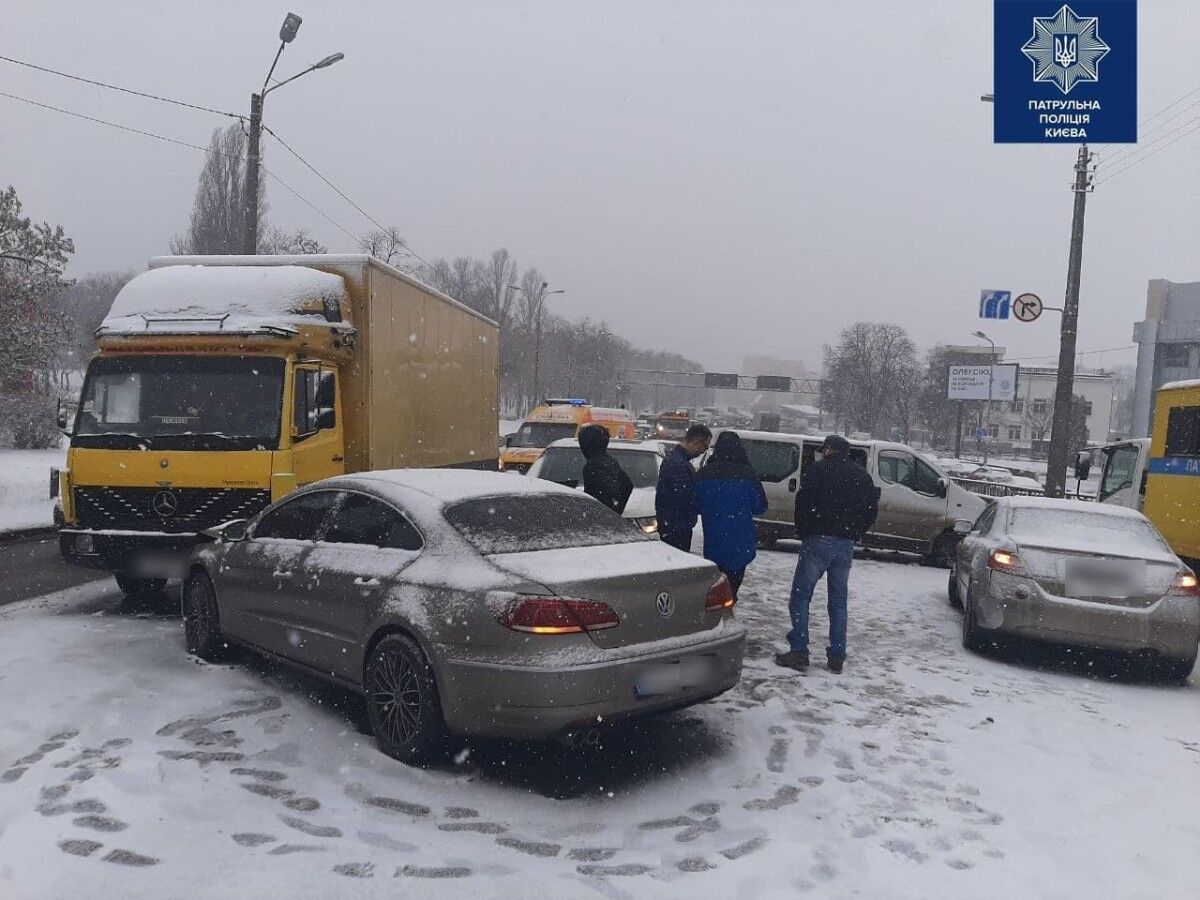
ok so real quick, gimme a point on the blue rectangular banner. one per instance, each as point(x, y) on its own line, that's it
point(1065, 73)
point(1175, 465)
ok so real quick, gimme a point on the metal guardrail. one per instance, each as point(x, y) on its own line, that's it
point(1000, 489)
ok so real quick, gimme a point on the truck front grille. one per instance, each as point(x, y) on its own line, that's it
point(164, 509)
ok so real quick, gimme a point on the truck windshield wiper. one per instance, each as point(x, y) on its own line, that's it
point(128, 439)
point(214, 437)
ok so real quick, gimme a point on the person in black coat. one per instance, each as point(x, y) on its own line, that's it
point(675, 502)
point(603, 477)
point(835, 507)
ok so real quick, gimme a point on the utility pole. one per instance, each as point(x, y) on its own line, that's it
point(1064, 394)
point(250, 218)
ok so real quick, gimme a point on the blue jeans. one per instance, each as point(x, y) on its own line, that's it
point(820, 555)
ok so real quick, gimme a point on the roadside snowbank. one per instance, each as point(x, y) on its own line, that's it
point(25, 487)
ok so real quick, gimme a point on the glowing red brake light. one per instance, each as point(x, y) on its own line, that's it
point(720, 596)
point(558, 615)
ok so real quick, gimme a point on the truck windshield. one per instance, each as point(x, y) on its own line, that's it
point(181, 403)
point(543, 434)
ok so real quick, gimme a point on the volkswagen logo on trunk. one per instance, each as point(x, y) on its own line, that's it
point(665, 604)
point(165, 504)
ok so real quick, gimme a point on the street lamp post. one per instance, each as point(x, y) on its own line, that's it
point(287, 33)
point(538, 302)
point(988, 403)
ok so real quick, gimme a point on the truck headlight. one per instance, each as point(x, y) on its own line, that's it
point(85, 545)
point(649, 525)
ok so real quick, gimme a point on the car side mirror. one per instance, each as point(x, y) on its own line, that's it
point(962, 526)
point(326, 418)
point(1083, 465)
point(235, 531)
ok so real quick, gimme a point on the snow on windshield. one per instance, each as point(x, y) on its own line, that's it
point(1097, 532)
point(511, 524)
point(247, 294)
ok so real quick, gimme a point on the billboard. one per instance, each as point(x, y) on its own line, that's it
point(971, 382)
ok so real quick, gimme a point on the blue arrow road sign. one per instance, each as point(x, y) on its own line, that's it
point(994, 304)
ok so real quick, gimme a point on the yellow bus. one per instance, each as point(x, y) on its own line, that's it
point(1161, 476)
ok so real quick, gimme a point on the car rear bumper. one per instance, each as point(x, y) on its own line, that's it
point(1013, 605)
point(142, 553)
point(528, 702)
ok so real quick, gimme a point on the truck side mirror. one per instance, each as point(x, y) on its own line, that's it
point(942, 488)
point(60, 416)
point(1083, 465)
point(326, 418)
point(508, 440)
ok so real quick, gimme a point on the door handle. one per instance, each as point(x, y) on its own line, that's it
point(337, 459)
point(282, 576)
point(792, 485)
point(363, 581)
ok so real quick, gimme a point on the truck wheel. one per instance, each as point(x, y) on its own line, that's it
point(402, 702)
point(139, 591)
point(953, 592)
point(202, 618)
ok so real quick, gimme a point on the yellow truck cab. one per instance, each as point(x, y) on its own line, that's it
point(556, 419)
point(223, 383)
point(1161, 476)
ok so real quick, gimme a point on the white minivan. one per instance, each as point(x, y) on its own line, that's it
point(921, 510)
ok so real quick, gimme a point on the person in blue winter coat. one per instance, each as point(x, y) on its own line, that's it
point(731, 495)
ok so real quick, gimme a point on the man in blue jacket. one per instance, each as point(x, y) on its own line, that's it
point(675, 502)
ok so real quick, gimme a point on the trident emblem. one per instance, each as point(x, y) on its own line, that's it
point(1066, 50)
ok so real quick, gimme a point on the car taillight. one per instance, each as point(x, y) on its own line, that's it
point(1186, 584)
point(720, 596)
point(558, 615)
point(1004, 561)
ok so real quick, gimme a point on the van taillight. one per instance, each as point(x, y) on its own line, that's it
point(558, 615)
point(720, 596)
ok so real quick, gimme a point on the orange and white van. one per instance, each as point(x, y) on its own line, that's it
point(554, 420)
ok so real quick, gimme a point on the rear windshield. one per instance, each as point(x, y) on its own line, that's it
point(564, 465)
point(515, 524)
point(542, 434)
point(1108, 534)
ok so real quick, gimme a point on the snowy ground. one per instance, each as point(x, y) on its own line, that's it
point(131, 769)
point(25, 487)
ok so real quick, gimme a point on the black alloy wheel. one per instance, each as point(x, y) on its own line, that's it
point(402, 701)
point(202, 617)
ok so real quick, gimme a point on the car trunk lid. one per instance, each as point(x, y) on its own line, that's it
point(631, 578)
point(1129, 579)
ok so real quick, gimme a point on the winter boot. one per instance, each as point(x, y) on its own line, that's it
point(793, 659)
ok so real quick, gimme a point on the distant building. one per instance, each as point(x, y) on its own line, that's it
point(1023, 426)
point(1168, 344)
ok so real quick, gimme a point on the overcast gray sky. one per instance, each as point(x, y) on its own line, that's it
point(715, 178)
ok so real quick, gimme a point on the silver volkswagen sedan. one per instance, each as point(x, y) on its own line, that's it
point(470, 603)
point(1085, 574)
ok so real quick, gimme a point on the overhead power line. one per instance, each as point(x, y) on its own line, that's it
point(124, 90)
point(1078, 353)
point(366, 215)
point(189, 145)
point(1130, 162)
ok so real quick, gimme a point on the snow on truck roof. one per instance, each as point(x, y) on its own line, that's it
point(224, 298)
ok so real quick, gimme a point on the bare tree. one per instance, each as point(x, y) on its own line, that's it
point(32, 331)
point(295, 243)
point(218, 213)
point(496, 277)
point(867, 376)
point(84, 305)
point(389, 245)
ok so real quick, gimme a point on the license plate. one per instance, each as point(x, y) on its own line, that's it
point(160, 565)
point(664, 679)
point(1110, 579)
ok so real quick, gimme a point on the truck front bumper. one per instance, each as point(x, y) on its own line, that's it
point(145, 554)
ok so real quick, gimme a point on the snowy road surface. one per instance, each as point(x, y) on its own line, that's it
point(130, 769)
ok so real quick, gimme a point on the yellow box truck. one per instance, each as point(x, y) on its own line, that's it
point(222, 383)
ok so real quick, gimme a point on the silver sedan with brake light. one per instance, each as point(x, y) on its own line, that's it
point(469, 603)
point(1084, 574)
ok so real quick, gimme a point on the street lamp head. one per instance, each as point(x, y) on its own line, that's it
point(981, 335)
point(330, 60)
point(291, 24)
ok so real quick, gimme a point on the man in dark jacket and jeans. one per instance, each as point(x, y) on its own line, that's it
point(603, 477)
point(836, 505)
point(675, 502)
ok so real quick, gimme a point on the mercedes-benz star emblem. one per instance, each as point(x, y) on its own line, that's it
point(165, 504)
point(665, 604)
